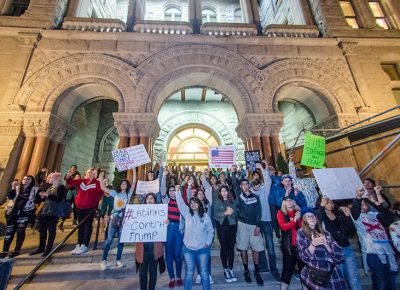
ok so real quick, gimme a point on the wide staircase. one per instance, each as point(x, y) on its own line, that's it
point(65, 271)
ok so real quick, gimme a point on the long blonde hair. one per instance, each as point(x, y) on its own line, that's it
point(284, 208)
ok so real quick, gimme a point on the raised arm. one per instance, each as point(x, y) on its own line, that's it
point(183, 208)
point(266, 176)
point(356, 208)
point(292, 168)
point(204, 180)
point(134, 181)
point(163, 184)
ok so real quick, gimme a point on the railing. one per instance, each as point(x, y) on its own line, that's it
point(32, 273)
point(163, 27)
point(93, 24)
point(275, 30)
point(228, 29)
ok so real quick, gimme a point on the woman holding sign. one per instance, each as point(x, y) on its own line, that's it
point(197, 239)
point(121, 197)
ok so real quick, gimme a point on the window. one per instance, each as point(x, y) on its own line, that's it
point(18, 7)
point(392, 70)
point(238, 16)
point(209, 15)
point(377, 11)
point(349, 14)
point(396, 93)
point(172, 14)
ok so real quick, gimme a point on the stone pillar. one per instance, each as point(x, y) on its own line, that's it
point(73, 7)
point(246, 11)
point(51, 155)
point(142, 170)
point(38, 154)
point(392, 12)
point(139, 10)
point(266, 149)
point(276, 147)
point(25, 157)
point(123, 142)
point(256, 16)
point(5, 6)
point(364, 13)
point(130, 19)
point(306, 12)
point(59, 157)
point(255, 143)
point(133, 141)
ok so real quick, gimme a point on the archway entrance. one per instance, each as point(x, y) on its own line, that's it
point(191, 120)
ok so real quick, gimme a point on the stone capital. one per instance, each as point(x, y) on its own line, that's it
point(259, 125)
point(137, 124)
point(10, 124)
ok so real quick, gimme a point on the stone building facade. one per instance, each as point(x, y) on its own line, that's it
point(79, 77)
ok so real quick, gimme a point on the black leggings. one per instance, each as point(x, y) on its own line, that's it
point(15, 225)
point(48, 224)
point(290, 258)
point(227, 238)
point(85, 231)
point(148, 272)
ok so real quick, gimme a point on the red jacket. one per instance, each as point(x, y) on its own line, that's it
point(88, 193)
point(289, 226)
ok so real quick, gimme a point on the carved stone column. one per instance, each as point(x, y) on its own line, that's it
point(26, 154)
point(364, 13)
point(51, 155)
point(5, 6)
point(392, 10)
point(266, 148)
point(246, 11)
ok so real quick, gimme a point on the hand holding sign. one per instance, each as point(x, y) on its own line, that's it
point(313, 151)
point(131, 157)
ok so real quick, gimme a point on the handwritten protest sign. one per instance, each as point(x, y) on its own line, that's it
point(252, 157)
point(144, 187)
point(144, 223)
point(221, 156)
point(130, 157)
point(314, 151)
point(338, 183)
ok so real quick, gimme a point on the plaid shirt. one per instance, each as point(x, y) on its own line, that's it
point(306, 185)
point(321, 259)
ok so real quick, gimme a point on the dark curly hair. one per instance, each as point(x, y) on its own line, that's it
point(201, 207)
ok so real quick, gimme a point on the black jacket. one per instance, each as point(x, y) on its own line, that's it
point(249, 209)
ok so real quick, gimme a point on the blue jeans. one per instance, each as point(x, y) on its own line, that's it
point(108, 242)
point(382, 277)
point(349, 269)
point(173, 250)
point(201, 258)
point(266, 230)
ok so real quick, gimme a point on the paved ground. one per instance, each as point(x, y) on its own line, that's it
point(65, 271)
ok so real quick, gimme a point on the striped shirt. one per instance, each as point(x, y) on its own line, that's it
point(173, 211)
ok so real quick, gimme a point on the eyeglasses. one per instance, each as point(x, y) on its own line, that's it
point(310, 216)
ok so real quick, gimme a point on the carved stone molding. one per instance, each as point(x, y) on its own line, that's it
point(349, 47)
point(137, 124)
point(10, 124)
point(259, 125)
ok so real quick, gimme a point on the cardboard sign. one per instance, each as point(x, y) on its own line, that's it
point(130, 157)
point(338, 183)
point(252, 157)
point(145, 223)
point(144, 187)
point(314, 151)
point(221, 156)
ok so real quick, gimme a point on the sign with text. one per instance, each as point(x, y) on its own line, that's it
point(338, 183)
point(252, 158)
point(314, 151)
point(145, 187)
point(144, 223)
point(221, 156)
point(130, 157)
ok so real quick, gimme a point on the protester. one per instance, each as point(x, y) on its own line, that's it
point(249, 230)
point(375, 244)
point(308, 186)
point(287, 189)
point(121, 198)
point(198, 236)
point(224, 212)
point(263, 192)
point(107, 202)
point(148, 255)
point(173, 245)
point(320, 253)
point(275, 188)
point(373, 190)
point(49, 214)
point(20, 209)
point(339, 224)
point(87, 199)
point(289, 221)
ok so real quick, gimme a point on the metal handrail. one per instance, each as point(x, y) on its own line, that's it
point(45, 259)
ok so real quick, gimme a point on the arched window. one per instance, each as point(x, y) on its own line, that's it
point(172, 14)
point(238, 16)
point(209, 15)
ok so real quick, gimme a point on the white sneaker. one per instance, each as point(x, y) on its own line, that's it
point(119, 264)
point(198, 279)
point(83, 249)
point(211, 280)
point(232, 275)
point(227, 276)
point(77, 248)
point(103, 265)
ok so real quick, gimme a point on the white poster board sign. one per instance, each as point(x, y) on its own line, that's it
point(130, 157)
point(338, 183)
point(145, 223)
point(221, 156)
point(144, 187)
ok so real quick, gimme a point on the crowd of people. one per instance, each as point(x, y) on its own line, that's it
point(242, 210)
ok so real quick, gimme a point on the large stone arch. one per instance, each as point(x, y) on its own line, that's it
point(45, 87)
point(187, 65)
point(337, 91)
